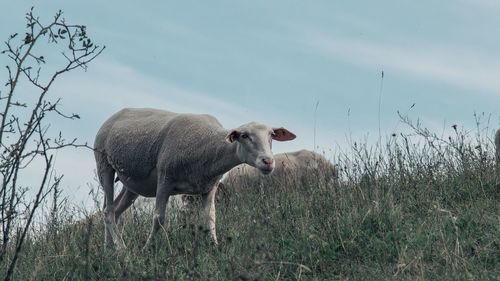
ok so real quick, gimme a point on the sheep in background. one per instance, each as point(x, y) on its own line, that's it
point(299, 167)
point(157, 153)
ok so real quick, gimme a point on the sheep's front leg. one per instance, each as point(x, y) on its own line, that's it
point(208, 200)
point(159, 214)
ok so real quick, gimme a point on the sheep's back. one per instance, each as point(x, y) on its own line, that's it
point(130, 140)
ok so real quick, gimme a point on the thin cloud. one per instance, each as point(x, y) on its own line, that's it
point(110, 86)
point(460, 68)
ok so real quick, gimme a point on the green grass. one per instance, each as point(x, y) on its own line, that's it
point(409, 211)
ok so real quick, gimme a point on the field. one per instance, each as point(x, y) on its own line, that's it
point(419, 207)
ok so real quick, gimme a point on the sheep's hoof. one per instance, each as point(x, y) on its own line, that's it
point(121, 247)
point(150, 245)
point(148, 248)
point(214, 241)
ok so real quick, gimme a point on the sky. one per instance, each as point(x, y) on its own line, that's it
point(314, 67)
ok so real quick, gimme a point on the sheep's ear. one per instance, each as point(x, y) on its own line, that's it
point(231, 137)
point(282, 134)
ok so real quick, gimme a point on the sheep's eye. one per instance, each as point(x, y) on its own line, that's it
point(245, 136)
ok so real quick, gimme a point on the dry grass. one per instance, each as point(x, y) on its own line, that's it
point(417, 208)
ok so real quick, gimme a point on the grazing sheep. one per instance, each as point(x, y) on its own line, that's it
point(291, 167)
point(157, 153)
point(497, 146)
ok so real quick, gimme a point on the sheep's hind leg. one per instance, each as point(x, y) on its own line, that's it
point(111, 231)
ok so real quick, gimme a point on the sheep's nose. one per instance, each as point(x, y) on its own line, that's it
point(267, 164)
point(268, 161)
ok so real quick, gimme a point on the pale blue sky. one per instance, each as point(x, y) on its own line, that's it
point(272, 61)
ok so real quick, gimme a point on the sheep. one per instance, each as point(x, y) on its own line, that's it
point(291, 167)
point(497, 146)
point(157, 153)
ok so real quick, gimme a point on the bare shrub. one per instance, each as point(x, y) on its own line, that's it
point(25, 135)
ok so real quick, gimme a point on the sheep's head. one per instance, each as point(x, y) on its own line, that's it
point(253, 142)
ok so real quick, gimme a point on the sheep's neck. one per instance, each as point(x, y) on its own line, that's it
point(224, 158)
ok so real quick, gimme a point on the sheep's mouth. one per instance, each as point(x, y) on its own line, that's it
point(266, 170)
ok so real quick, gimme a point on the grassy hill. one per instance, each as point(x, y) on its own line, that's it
point(416, 208)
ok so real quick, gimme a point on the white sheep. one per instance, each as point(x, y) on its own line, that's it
point(157, 153)
point(299, 167)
